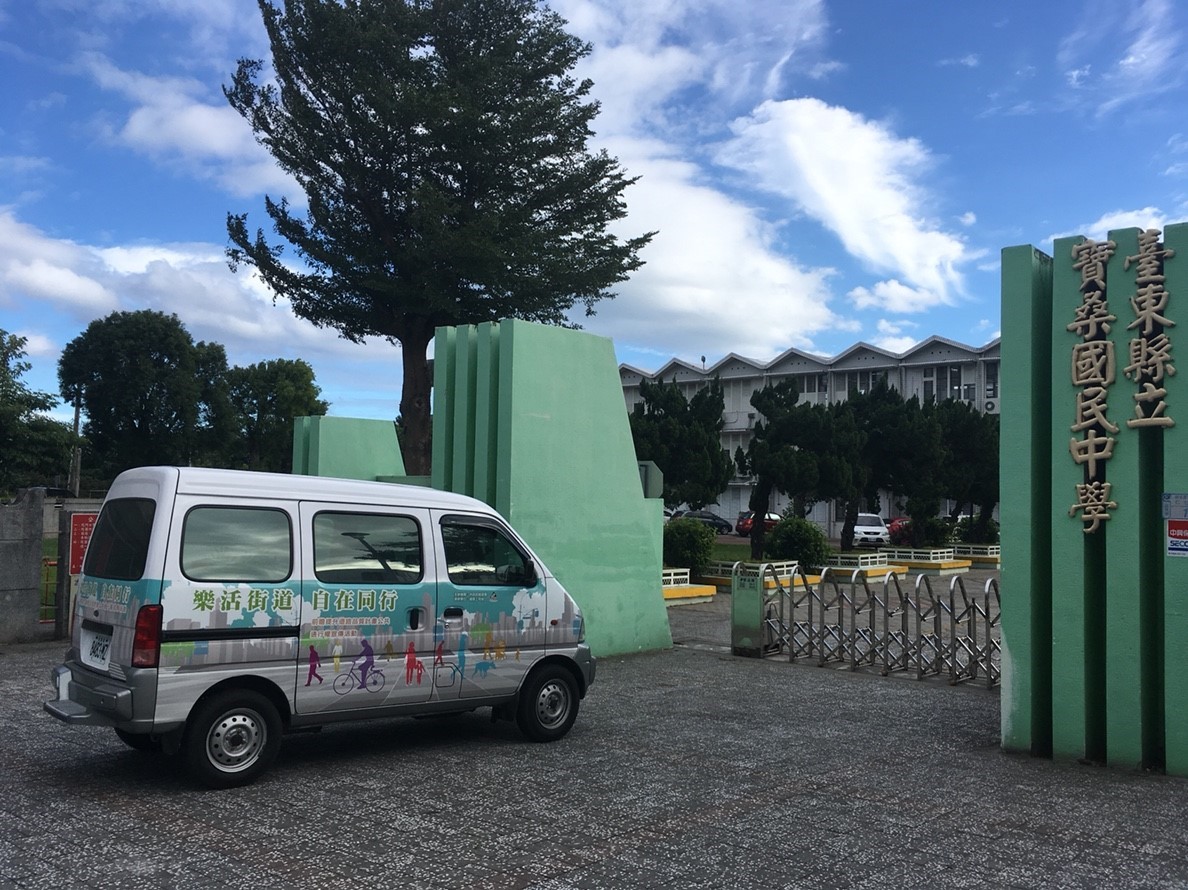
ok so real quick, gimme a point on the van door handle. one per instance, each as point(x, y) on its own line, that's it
point(452, 614)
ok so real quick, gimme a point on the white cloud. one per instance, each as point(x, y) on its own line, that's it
point(168, 121)
point(189, 280)
point(34, 267)
point(38, 344)
point(712, 282)
point(970, 60)
point(895, 344)
point(894, 296)
point(1145, 218)
point(857, 179)
point(891, 335)
point(1135, 55)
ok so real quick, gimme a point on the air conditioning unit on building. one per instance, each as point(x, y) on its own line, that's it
point(991, 407)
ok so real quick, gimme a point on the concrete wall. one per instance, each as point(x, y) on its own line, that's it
point(20, 569)
point(530, 419)
point(346, 447)
point(52, 510)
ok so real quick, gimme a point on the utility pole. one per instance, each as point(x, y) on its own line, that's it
point(76, 454)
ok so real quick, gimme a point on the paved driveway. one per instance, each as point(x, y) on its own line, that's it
point(686, 769)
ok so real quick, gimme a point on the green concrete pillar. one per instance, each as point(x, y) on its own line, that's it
point(1175, 481)
point(1025, 500)
point(530, 419)
point(1094, 614)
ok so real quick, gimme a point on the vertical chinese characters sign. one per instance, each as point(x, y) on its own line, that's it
point(1093, 373)
point(1150, 346)
point(1094, 365)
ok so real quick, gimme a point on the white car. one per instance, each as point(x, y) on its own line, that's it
point(870, 531)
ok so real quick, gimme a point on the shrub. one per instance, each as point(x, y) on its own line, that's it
point(930, 532)
point(901, 535)
point(972, 530)
point(688, 544)
point(799, 539)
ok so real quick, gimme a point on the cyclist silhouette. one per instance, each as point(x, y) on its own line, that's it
point(365, 661)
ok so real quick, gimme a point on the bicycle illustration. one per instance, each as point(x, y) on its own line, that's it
point(344, 683)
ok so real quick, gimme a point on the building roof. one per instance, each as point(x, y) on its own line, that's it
point(929, 351)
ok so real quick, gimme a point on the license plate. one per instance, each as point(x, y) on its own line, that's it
point(95, 649)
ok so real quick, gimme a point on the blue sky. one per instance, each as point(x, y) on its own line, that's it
point(819, 172)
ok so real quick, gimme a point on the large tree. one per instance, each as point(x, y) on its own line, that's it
point(785, 453)
point(442, 149)
point(34, 448)
point(144, 386)
point(265, 398)
point(683, 437)
point(969, 472)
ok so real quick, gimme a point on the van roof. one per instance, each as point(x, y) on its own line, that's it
point(286, 486)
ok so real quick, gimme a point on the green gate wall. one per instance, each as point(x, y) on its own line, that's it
point(1094, 623)
point(530, 419)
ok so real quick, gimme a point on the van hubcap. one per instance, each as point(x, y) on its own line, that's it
point(552, 704)
point(235, 740)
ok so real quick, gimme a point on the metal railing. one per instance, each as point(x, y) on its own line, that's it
point(49, 593)
point(843, 619)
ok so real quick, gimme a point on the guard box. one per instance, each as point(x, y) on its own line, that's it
point(219, 609)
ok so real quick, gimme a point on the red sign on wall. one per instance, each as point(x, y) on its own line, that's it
point(81, 526)
point(1177, 537)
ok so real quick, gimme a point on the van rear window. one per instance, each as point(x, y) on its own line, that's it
point(119, 544)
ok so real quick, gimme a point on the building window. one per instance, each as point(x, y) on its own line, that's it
point(954, 381)
point(992, 380)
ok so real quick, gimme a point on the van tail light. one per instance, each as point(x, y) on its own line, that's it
point(146, 644)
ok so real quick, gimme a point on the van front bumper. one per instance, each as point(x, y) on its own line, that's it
point(587, 664)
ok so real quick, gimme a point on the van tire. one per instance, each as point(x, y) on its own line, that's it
point(548, 704)
point(232, 738)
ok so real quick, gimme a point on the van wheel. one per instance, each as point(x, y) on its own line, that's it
point(548, 704)
point(232, 738)
point(139, 741)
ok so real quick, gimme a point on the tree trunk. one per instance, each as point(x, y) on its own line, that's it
point(414, 403)
point(847, 532)
point(760, 501)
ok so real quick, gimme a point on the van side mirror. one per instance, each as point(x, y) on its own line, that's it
point(524, 575)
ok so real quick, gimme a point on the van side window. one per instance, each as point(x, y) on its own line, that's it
point(482, 555)
point(236, 544)
point(119, 544)
point(366, 548)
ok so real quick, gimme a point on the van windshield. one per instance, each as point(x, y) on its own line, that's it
point(119, 544)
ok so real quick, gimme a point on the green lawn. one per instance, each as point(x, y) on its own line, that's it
point(731, 552)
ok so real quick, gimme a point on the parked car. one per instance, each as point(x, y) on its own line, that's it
point(713, 520)
point(870, 531)
point(894, 525)
point(747, 520)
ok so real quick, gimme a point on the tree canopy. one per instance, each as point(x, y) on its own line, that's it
point(441, 146)
point(151, 395)
point(137, 376)
point(265, 397)
point(849, 451)
point(35, 448)
point(683, 438)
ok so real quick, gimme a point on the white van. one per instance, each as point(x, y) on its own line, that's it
point(218, 609)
